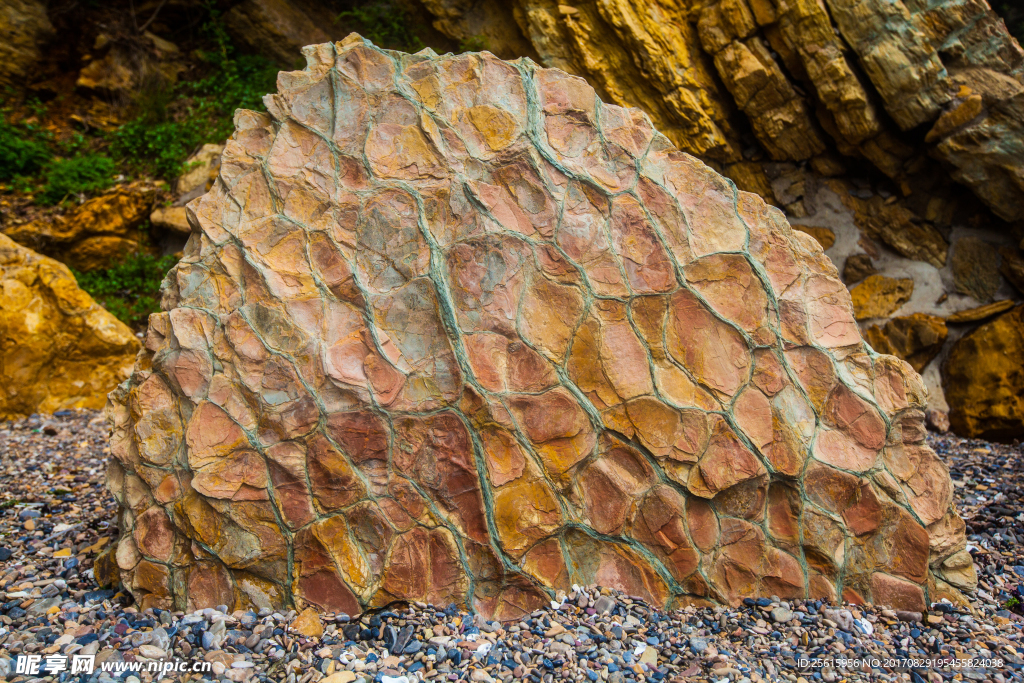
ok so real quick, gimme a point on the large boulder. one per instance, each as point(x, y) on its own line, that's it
point(58, 348)
point(452, 329)
point(984, 379)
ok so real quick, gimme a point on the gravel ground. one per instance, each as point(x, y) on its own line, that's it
point(55, 516)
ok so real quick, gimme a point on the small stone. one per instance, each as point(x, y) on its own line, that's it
point(308, 624)
point(937, 420)
point(556, 629)
point(858, 267)
point(604, 605)
point(402, 639)
point(781, 615)
point(171, 218)
point(340, 677)
point(974, 271)
point(979, 313)
point(40, 607)
point(480, 676)
point(879, 296)
point(152, 652)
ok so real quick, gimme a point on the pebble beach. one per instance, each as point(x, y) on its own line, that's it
point(56, 516)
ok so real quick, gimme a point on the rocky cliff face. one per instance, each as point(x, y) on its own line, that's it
point(24, 29)
point(452, 329)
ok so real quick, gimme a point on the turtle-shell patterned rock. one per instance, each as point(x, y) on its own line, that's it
point(451, 329)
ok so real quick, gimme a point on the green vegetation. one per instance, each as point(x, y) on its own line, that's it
point(83, 174)
point(171, 123)
point(159, 139)
point(473, 44)
point(131, 289)
point(384, 24)
point(24, 150)
point(168, 125)
point(31, 160)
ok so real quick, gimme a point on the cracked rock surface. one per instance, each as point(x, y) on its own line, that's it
point(451, 329)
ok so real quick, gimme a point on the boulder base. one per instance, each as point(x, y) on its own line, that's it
point(451, 329)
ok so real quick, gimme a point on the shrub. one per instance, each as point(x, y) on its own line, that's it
point(85, 173)
point(170, 124)
point(130, 290)
point(23, 151)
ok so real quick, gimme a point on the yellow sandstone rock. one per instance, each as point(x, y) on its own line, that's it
point(171, 218)
point(916, 338)
point(825, 237)
point(93, 235)
point(58, 348)
point(879, 296)
point(984, 379)
point(24, 27)
point(973, 315)
point(808, 76)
